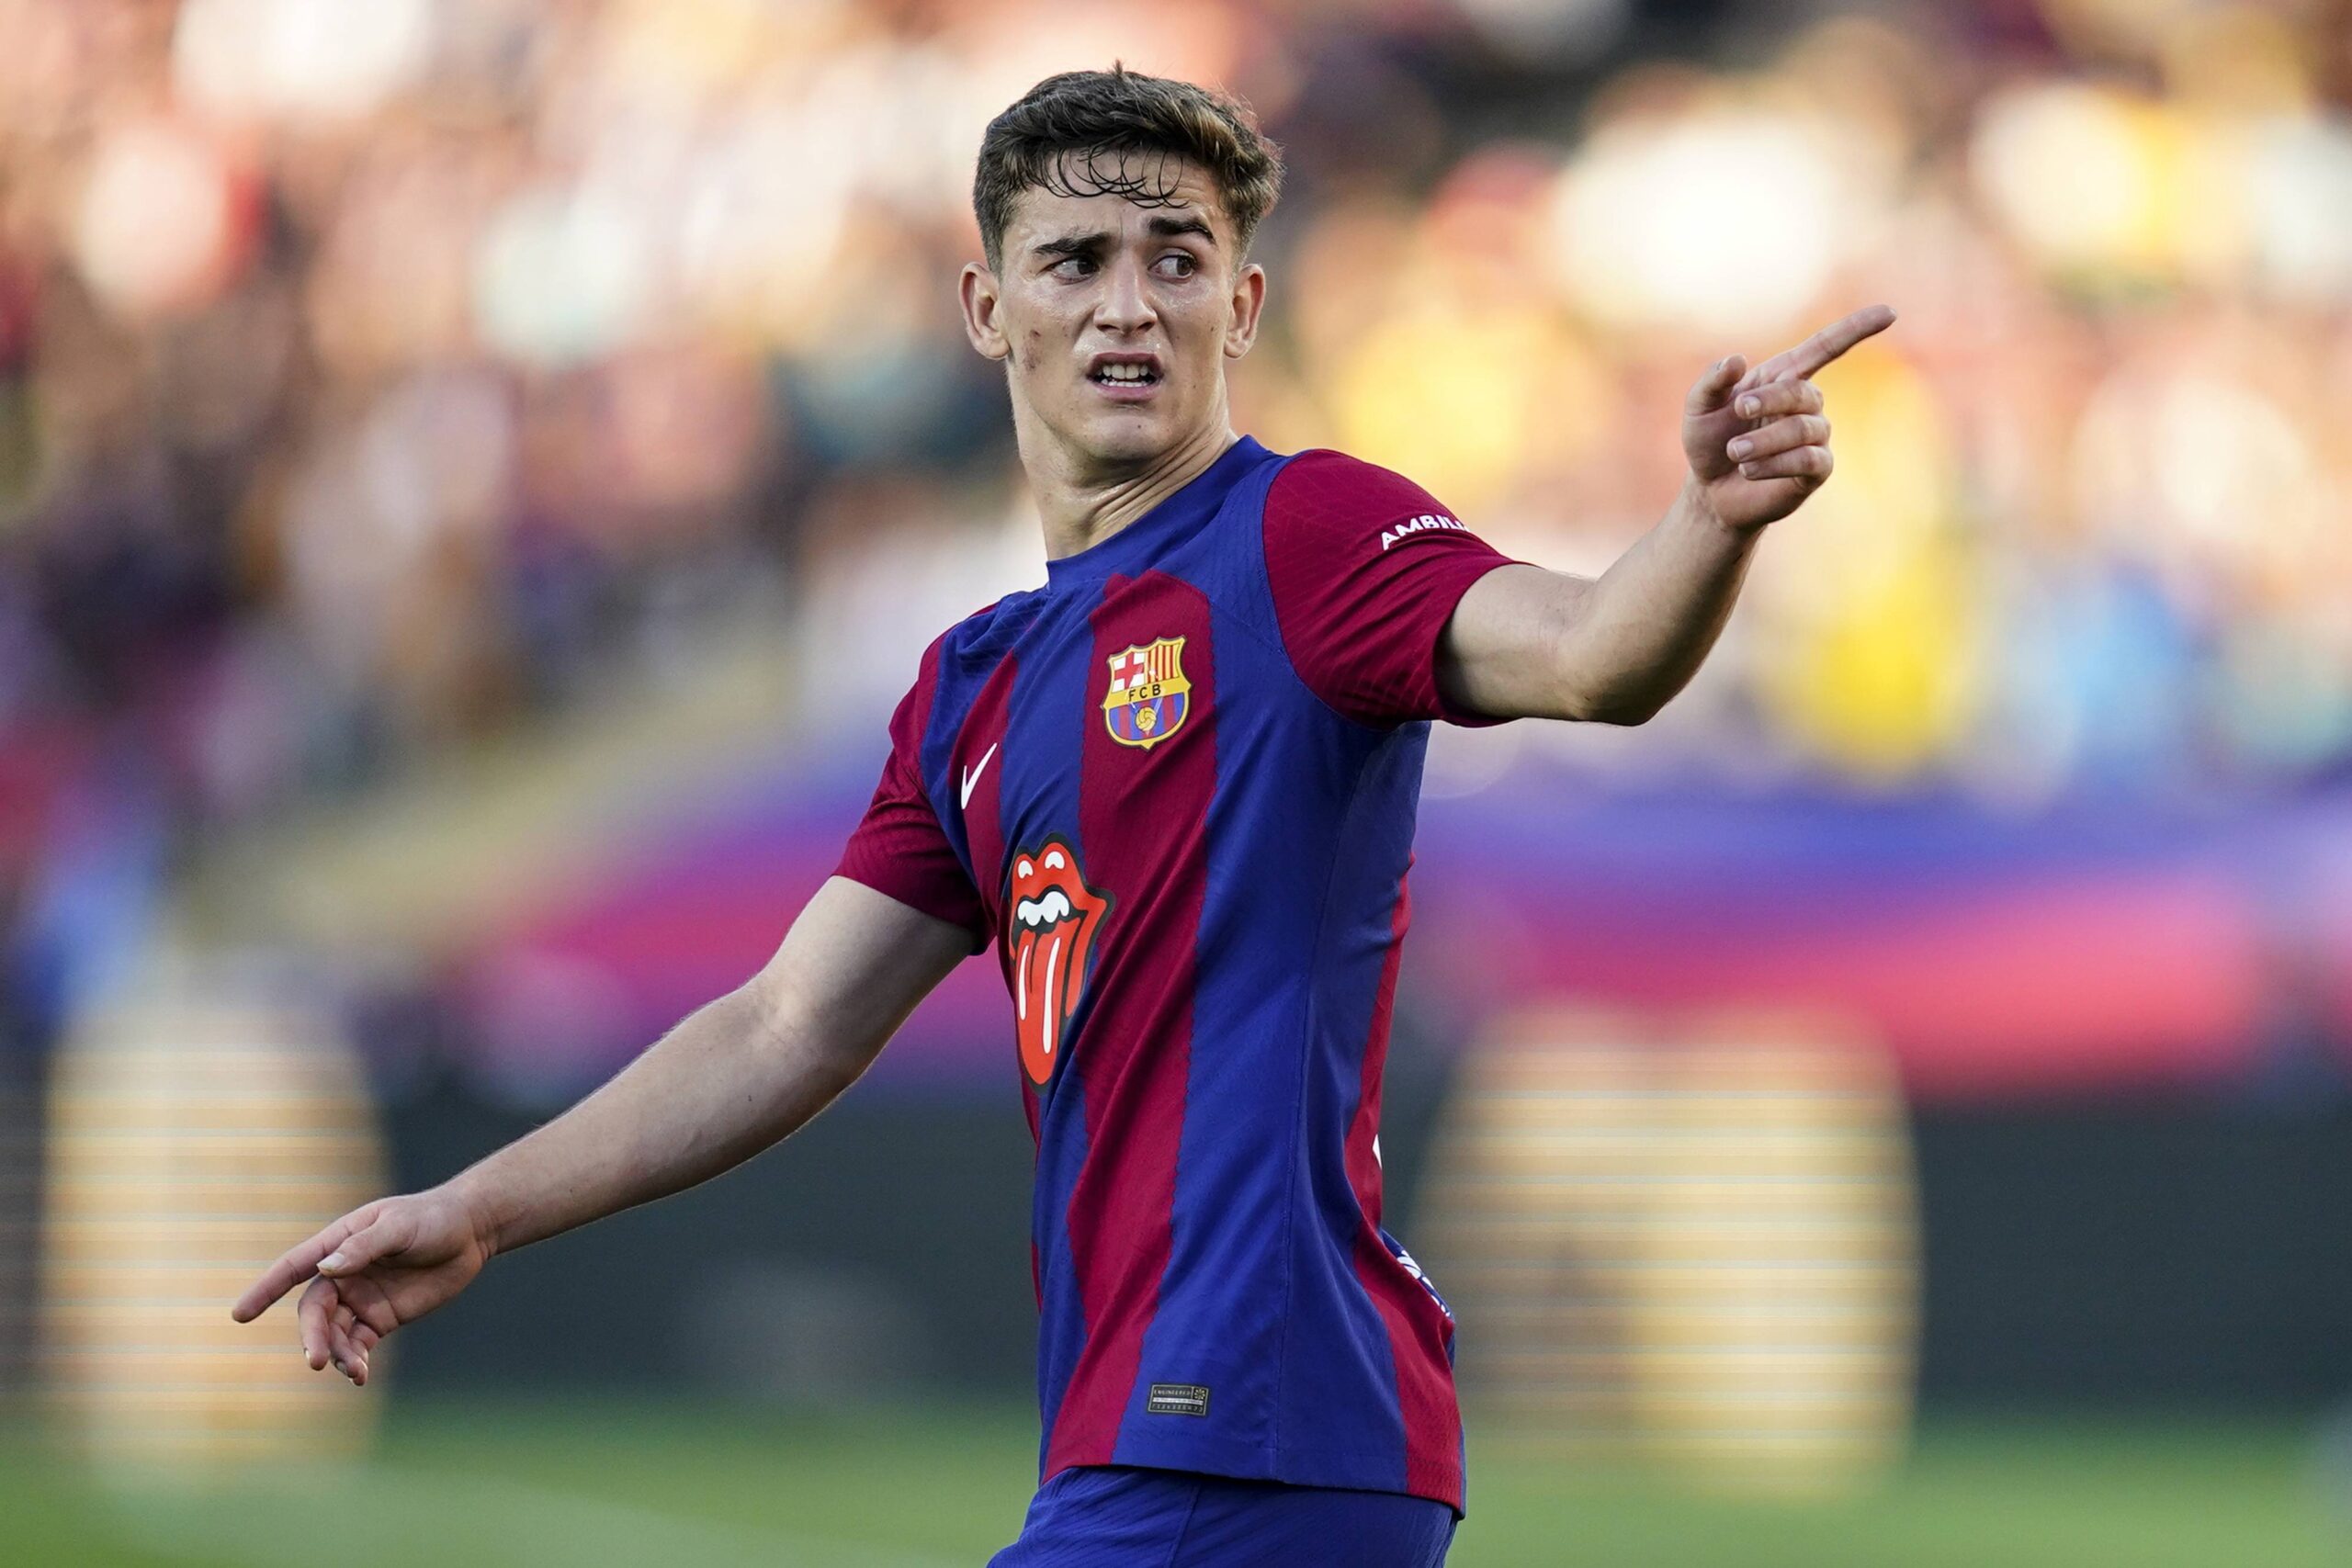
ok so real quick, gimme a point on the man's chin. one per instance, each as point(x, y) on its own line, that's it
point(1127, 436)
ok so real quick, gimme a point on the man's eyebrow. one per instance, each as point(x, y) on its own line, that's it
point(1070, 245)
point(1087, 245)
point(1172, 226)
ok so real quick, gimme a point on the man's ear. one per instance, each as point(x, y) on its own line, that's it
point(1249, 302)
point(977, 288)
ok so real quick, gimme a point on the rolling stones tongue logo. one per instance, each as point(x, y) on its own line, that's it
point(1055, 914)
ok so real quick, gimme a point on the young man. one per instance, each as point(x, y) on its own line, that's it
point(1174, 790)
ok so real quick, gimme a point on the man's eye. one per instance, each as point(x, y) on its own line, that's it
point(1072, 267)
point(1177, 263)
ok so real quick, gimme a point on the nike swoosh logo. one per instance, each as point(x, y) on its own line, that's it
point(972, 775)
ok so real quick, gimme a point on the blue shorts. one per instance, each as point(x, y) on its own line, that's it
point(1122, 1516)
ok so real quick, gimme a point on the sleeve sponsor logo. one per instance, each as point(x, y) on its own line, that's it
point(1397, 533)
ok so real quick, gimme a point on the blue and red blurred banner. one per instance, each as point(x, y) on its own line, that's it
point(2089, 948)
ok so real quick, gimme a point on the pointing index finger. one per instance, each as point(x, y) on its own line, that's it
point(1831, 341)
point(296, 1265)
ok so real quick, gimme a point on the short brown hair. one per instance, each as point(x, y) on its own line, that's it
point(1056, 136)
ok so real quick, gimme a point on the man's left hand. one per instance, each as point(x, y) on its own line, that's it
point(1758, 441)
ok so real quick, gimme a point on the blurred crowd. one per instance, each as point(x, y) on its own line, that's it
point(375, 376)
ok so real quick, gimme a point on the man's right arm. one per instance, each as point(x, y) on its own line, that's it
point(741, 1073)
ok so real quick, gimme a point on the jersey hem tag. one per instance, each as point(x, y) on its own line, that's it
point(1176, 1398)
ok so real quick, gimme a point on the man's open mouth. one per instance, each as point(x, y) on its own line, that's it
point(1125, 371)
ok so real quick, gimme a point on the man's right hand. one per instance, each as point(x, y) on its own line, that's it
point(741, 1071)
point(382, 1264)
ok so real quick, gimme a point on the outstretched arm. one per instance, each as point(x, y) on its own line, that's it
point(1524, 642)
point(736, 1075)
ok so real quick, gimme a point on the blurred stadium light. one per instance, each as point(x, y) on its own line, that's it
point(201, 1123)
point(1688, 1244)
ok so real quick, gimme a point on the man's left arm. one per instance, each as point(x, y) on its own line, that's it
point(1524, 642)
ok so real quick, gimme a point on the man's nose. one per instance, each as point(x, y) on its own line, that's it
point(1126, 305)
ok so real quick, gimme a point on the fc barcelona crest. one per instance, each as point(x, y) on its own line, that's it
point(1148, 697)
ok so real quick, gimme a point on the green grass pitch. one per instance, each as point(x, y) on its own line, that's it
point(585, 1484)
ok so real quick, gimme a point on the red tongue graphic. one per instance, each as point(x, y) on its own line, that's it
point(1049, 954)
point(1042, 964)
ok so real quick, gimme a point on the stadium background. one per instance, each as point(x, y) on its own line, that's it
point(472, 477)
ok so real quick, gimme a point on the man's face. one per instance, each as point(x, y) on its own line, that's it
point(1116, 316)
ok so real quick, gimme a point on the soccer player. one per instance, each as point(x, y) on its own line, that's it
point(1172, 791)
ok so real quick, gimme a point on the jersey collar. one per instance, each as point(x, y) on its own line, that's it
point(1172, 520)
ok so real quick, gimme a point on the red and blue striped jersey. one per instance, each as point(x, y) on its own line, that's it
point(1174, 789)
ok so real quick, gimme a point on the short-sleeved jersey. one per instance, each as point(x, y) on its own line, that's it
point(1175, 789)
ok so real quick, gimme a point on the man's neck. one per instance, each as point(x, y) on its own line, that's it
point(1082, 506)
